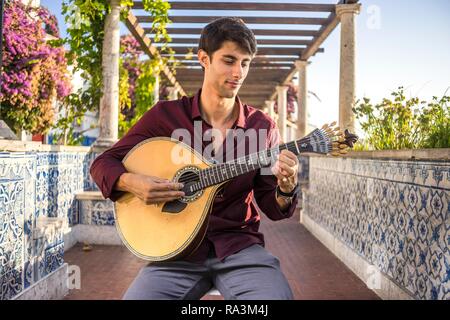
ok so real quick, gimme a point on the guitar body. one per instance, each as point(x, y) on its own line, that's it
point(163, 232)
point(172, 230)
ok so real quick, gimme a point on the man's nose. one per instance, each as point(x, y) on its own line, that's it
point(238, 72)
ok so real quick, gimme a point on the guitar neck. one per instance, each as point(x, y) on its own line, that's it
point(225, 171)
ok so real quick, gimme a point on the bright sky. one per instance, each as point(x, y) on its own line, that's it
point(399, 43)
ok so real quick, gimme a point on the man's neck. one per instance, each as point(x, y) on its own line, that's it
point(216, 110)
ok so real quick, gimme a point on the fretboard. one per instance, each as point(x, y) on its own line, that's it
point(225, 171)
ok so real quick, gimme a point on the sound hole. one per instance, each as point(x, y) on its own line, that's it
point(189, 177)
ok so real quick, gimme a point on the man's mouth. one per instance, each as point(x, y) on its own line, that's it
point(234, 84)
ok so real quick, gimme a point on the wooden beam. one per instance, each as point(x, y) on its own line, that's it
point(256, 71)
point(257, 59)
point(193, 41)
point(261, 51)
point(139, 34)
point(256, 32)
point(247, 20)
point(325, 31)
point(305, 7)
point(269, 76)
point(262, 85)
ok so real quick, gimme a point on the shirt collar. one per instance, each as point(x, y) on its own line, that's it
point(241, 120)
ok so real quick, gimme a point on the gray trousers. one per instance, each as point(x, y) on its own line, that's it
point(250, 274)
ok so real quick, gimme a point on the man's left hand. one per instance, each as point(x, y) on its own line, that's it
point(286, 169)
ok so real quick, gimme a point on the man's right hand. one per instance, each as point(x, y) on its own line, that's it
point(151, 190)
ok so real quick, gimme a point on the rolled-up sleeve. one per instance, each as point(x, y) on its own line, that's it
point(108, 167)
point(265, 187)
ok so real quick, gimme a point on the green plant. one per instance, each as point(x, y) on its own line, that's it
point(401, 123)
point(85, 20)
point(435, 123)
point(34, 74)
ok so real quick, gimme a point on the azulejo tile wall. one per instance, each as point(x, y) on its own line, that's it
point(393, 213)
point(35, 186)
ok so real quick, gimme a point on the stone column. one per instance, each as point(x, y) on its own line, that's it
point(302, 99)
point(109, 103)
point(347, 92)
point(173, 93)
point(270, 108)
point(282, 110)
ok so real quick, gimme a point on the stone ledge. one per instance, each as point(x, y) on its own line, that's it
point(387, 289)
point(24, 146)
point(92, 234)
point(51, 287)
point(89, 195)
point(407, 154)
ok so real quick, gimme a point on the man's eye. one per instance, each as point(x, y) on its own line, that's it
point(228, 62)
point(245, 65)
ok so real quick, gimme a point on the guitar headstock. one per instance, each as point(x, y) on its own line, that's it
point(340, 141)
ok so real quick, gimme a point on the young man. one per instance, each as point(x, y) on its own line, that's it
point(232, 255)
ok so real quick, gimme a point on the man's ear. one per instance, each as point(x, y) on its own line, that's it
point(203, 58)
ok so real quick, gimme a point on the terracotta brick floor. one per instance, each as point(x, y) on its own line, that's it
point(312, 270)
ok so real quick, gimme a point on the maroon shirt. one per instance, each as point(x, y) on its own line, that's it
point(234, 220)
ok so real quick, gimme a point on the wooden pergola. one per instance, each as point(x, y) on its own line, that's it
point(288, 34)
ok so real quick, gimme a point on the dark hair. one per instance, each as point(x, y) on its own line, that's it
point(227, 29)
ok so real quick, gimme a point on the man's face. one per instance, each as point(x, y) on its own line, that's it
point(226, 70)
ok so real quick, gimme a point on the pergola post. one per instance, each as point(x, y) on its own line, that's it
point(270, 104)
point(282, 110)
point(347, 91)
point(109, 102)
point(173, 93)
point(156, 87)
point(302, 99)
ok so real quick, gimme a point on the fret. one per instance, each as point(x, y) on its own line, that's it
point(232, 170)
point(255, 157)
point(211, 176)
point(250, 161)
point(240, 168)
point(273, 155)
point(263, 160)
point(296, 147)
point(207, 177)
point(219, 173)
point(225, 171)
point(215, 176)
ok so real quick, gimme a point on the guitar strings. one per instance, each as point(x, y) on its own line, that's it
point(194, 177)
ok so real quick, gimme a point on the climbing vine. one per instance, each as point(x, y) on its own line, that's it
point(85, 20)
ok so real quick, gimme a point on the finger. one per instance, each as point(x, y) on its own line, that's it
point(165, 194)
point(287, 169)
point(277, 173)
point(168, 186)
point(158, 179)
point(287, 160)
point(288, 154)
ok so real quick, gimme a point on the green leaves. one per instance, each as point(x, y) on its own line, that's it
point(402, 123)
point(86, 19)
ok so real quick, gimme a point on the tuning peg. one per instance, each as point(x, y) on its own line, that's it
point(341, 139)
point(324, 127)
point(333, 124)
point(343, 151)
point(343, 146)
